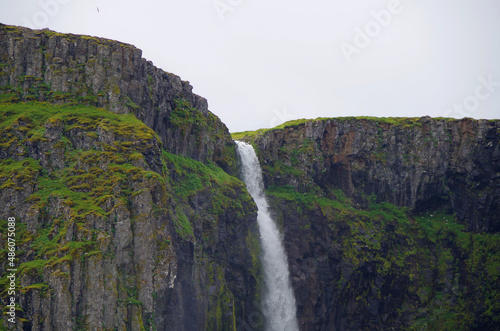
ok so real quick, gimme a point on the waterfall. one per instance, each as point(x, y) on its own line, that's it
point(278, 302)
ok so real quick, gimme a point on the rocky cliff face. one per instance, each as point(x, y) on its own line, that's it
point(119, 226)
point(414, 163)
point(388, 223)
point(42, 65)
point(114, 233)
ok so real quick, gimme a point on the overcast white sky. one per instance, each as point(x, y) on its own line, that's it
point(260, 62)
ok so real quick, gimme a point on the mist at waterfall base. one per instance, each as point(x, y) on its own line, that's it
point(278, 302)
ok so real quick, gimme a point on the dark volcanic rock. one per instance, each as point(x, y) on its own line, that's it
point(43, 65)
point(416, 163)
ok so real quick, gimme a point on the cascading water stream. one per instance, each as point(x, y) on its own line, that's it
point(278, 301)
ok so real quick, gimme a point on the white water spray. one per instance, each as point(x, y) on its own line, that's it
point(278, 302)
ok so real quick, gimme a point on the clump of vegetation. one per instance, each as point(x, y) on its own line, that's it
point(188, 178)
point(35, 116)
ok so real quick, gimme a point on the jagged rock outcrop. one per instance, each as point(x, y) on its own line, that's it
point(42, 65)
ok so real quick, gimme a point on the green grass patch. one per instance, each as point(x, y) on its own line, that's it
point(306, 200)
point(19, 171)
point(87, 117)
point(182, 224)
point(188, 178)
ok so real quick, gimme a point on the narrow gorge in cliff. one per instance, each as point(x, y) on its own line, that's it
point(126, 204)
